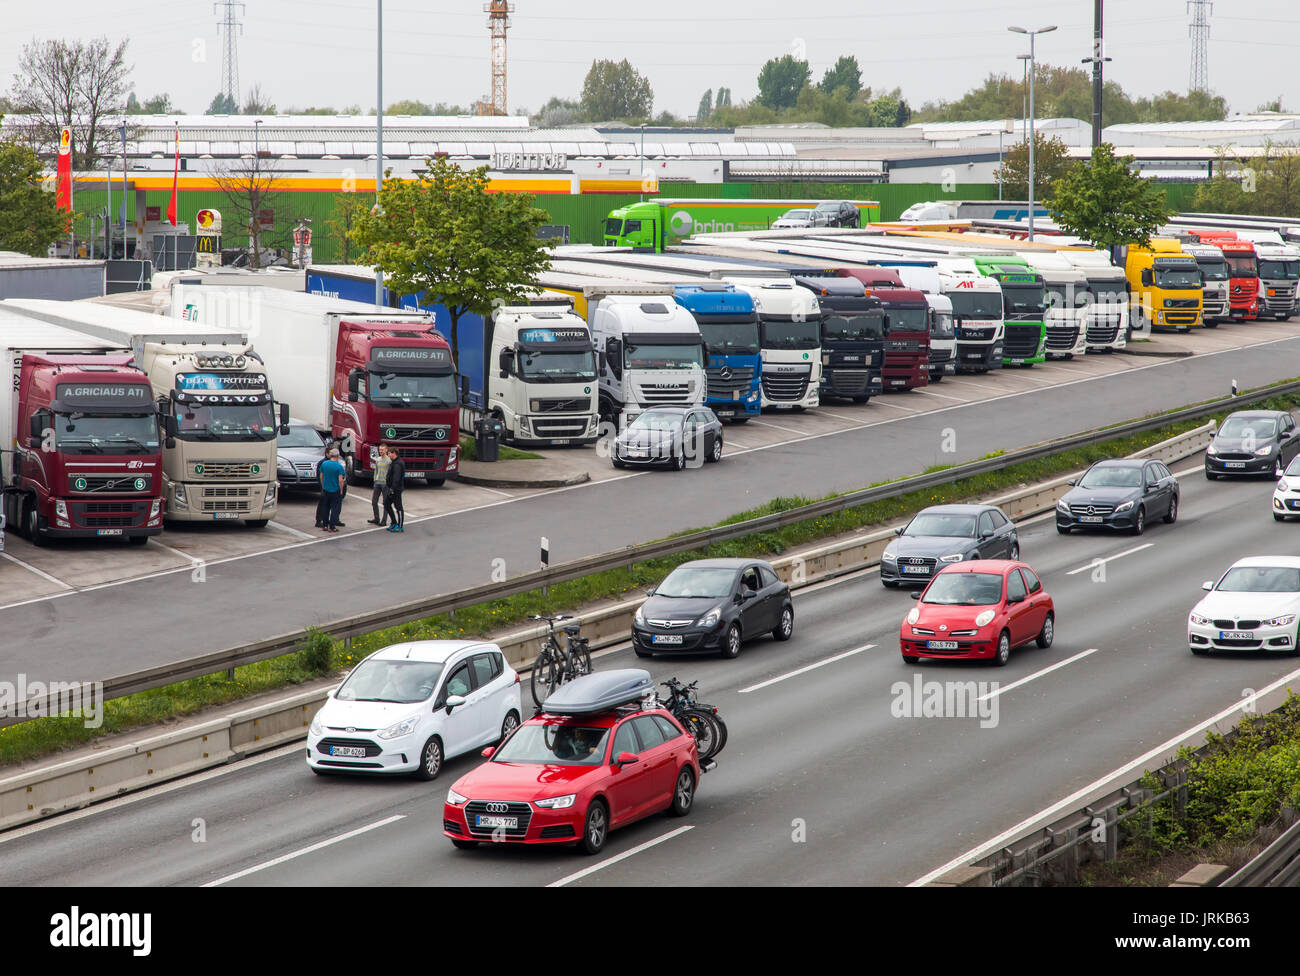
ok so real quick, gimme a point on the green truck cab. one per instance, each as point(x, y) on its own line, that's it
point(1024, 300)
point(656, 224)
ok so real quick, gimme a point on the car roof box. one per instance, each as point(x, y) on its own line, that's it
point(600, 692)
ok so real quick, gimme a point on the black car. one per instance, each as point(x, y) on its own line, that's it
point(712, 606)
point(1124, 494)
point(1253, 442)
point(671, 436)
point(836, 213)
point(944, 534)
point(299, 452)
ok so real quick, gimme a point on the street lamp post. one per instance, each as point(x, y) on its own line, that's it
point(379, 129)
point(642, 194)
point(1032, 34)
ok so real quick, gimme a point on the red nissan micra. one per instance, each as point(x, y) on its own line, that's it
point(570, 779)
point(978, 609)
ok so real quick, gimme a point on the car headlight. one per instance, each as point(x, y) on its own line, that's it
point(710, 618)
point(1197, 619)
point(284, 466)
point(914, 615)
point(1123, 507)
point(890, 553)
point(1283, 485)
point(985, 618)
point(557, 802)
point(952, 557)
point(1061, 506)
point(1280, 621)
point(455, 799)
point(316, 727)
point(405, 727)
point(639, 616)
point(1212, 450)
point(1264, 451)
point(451, 456)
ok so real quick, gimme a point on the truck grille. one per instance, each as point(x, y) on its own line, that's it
point(668, 393)
point(1062, 340)
point(723, 381)
point(785, 387)
point(1181, 318)
point(232, 499)
point(1021, 341)
point(110, 484)
point(850, 382)
point(1182, 302)
point(108, 515)
point(415, 432)
point(420, 459)
point(561, 405)
point(1103, 330)
point(939, 355)
point(1282, 299)
point(902, 345)
point(206, 470)
point(476, 808)
point(568, 427)
point(970, 334)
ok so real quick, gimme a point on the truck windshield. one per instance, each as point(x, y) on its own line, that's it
point(1242, 265)
point(1104, 292)
point(791, 335)
point(1214, 270)
point(557, 367)
point(853, 327)
point(662, 356)
point(412, 390)
point(976, 304)
point(1024, 299)
point(731, 338)
point(941, 326)
point(225, 421)
point(1269, 268)
point(1178, 278)
point(79, 433)
point(908, 319)
point(613, 227)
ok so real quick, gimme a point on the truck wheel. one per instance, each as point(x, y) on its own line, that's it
point(256, 523)
point(33, 524)
point(435, 482)
point(741, 419)
point(861, 399)
point(137, 540)
point(354, 474)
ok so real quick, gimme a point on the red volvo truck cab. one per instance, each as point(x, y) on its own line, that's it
point(907, 316)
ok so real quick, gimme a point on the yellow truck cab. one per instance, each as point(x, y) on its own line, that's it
point(1165, 286)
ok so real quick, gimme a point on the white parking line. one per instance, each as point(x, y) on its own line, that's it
point(578, 875)
point(1101, 562)
point(292, 531)
point(768, 423)
point(880, 399)
point(806, 669)
point(1037, 674)
point(39, 572)
point(175, 552)
point(941, 396)
point(306, 850)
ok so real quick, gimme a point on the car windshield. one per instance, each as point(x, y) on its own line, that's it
point(908, 319)
point(952, 526)
point(412, 390)
point(869, 326)
point(544, 366)
point(301, 437)
point(390, 681)
point(78, 433)
point(1294, 469)
point(976, 304)
point(697, 582)
point(796, 215)
point(1260, 579)
point(1242, 428)
point(1024, 299)
point(554, 745)
point(1242, 265)
point(731, 338)
point(965, 590)
point(1104, 476)
point(653, 420)
point(941, 326)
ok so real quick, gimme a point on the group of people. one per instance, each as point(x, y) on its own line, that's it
point(390, 478)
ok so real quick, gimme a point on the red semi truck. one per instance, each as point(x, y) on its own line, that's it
point(86, 453)
point(907, 344)
point(1243, 270)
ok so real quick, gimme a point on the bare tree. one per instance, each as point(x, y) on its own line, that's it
point(72, 83)
point(251, 185)
point(258, 102)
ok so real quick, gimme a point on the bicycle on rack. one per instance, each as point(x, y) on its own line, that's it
point(555, 664)
point(700, 719)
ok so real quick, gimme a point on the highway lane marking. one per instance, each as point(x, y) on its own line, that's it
point(305, 850)
point(1101, 562)
point(806, 668)
point(1078, 797)
point(578, 875)
point(292, 531)
point(39, 572)
point(1037, 674)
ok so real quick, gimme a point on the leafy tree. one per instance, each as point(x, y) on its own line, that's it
point(889, 110)
point(558, 112)
point(616, 90)
point(222, 104)
point(723, 98)
point(30, 220)
point(1277, 181)
point(1222, 193)
point(1274, 106)
point(1051, 162)
point(1194, 106)
point(411, 106)
point(843, 74)
point(444, 236)
point(158, 105)
point(1105, 202)
point(781, 80)
point(348, 210)
point(706, 107)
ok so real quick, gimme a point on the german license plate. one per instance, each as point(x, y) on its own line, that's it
point(784, 406)
point(1014, 362)
point(725, 413)
point(506, 823)
point(225, 515)
point(898, 382)
point(974, 355)
point(666, 638)
point(1234, 464)
point(348, 752)
point(560, 441)
point(1236, 635)
point(108, 532)
point(941, 645)
point(1090, 518)
point(922, 570)
point(638, 454)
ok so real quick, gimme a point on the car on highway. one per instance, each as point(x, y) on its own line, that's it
point(713, 606)
point(1286, 496)
point(669, 436)
point(980, 610)
point(798, 217)
point(299, 452)
point(1253, 607)
point(1122, 493)
point(1253, 442)
point(941, 535)
point(587, 764)
point(407, 708)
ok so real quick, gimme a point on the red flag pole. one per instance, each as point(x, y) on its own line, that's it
point(176, 172)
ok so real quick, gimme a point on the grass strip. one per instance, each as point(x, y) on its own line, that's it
point(469, 451)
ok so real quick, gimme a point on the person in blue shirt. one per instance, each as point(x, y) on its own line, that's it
point(332, 477)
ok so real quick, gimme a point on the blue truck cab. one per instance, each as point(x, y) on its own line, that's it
point(729, 325)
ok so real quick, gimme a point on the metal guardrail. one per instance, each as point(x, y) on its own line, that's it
point(354, 626)
point(1276, 866)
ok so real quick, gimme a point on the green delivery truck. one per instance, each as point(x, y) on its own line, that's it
point(1024, 298)
point(657, 223)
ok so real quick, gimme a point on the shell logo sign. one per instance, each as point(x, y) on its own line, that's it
point(65, 141)
point(209, 220)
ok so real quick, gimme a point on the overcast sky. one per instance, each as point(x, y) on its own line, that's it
point(322, 52)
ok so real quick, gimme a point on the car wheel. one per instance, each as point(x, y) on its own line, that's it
point(595, 828)
point(683, 794)
point(1200, 651)
point(1063, 529)
point(1015, 550)
point(1048, 632)
point(1171, 516)
point(34, 533)
point(464, 845)
point(679, 462)
point(430, 760)
point(510, 724)
point(910, 659)
point(616, 462)
point(731, 646)
point(715, 454)
point(1003, 653)
point(785, 628)
point(1140, 525)
point(434, 482)
point(1210, 475)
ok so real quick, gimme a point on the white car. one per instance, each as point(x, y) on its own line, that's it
point(410, 707)
point(1286, 496)
point(793, 219)
point(1254, 607)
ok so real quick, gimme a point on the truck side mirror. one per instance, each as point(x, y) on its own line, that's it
point(505, 361)
point(1146, 276)
point(37, 428)
point(354, 386)
point(464, 389)
point(284, 418)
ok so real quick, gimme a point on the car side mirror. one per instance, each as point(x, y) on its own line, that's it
point(625, 759)
point(1072, 482)
point(900, 530)
point(37, 428)
point(915, 594)
point(454, 701)
point(986, 534)
point(487, 753)
point(1015, 599)
point(650, 592)
point(1208, 585)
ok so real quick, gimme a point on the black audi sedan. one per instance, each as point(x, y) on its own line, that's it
point(1124, 494)
point(675, 437)
point(944, 534)
point(1253, 442)
point(713, 606)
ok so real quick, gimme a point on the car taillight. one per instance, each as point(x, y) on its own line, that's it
point(517, 681)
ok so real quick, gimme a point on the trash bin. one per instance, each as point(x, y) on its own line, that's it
point(487, 438)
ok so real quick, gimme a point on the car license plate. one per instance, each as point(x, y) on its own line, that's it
point(666, 638)
point(1236, 635)
point(1234, 464)
point(922, 570)
point(108, 532)
point(560, 441)
point(1090, 518)
point(348, 752)
point(941, 645)
point(506, 823)
point(638, 454)
point(225, 515)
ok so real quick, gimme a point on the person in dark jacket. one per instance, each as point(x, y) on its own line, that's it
point(393, 496)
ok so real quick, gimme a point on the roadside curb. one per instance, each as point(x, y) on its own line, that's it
point(1158, 353)
point(485, 482)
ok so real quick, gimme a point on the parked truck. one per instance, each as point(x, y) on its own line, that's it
point(923, 276)
point(1164, 286)
point(1024, 301)
point(1105, 314)
point(733, 375)
point(1279, 272)
point(853, 337)
point(219, 416)
point(907, 319)
point(1214, 278)
point(789, 331)
point(85, 453)
point(657, 223)
point(977, 313)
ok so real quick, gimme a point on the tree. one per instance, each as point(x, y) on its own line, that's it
point(258, 102)
point(616, 90)
point(30, 220)
point(723, 99)
point(73, 83)
point(781, 80)
point(1107, 203)
point(558, 112)
point(706, 107)
point(348, 210)
point(1277, 181)
point(158, 105)
point(1051, 162)
point(889, 110)
point(443, 235)
point(250, 185)
point(222, 104)
point(1222, 193)
point(410, 106)
point(843, 74)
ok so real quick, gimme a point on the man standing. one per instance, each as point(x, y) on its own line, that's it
point(332, 477)
point(396, 481)
point(380, 490)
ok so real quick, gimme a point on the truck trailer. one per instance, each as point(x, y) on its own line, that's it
point(656, 224)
